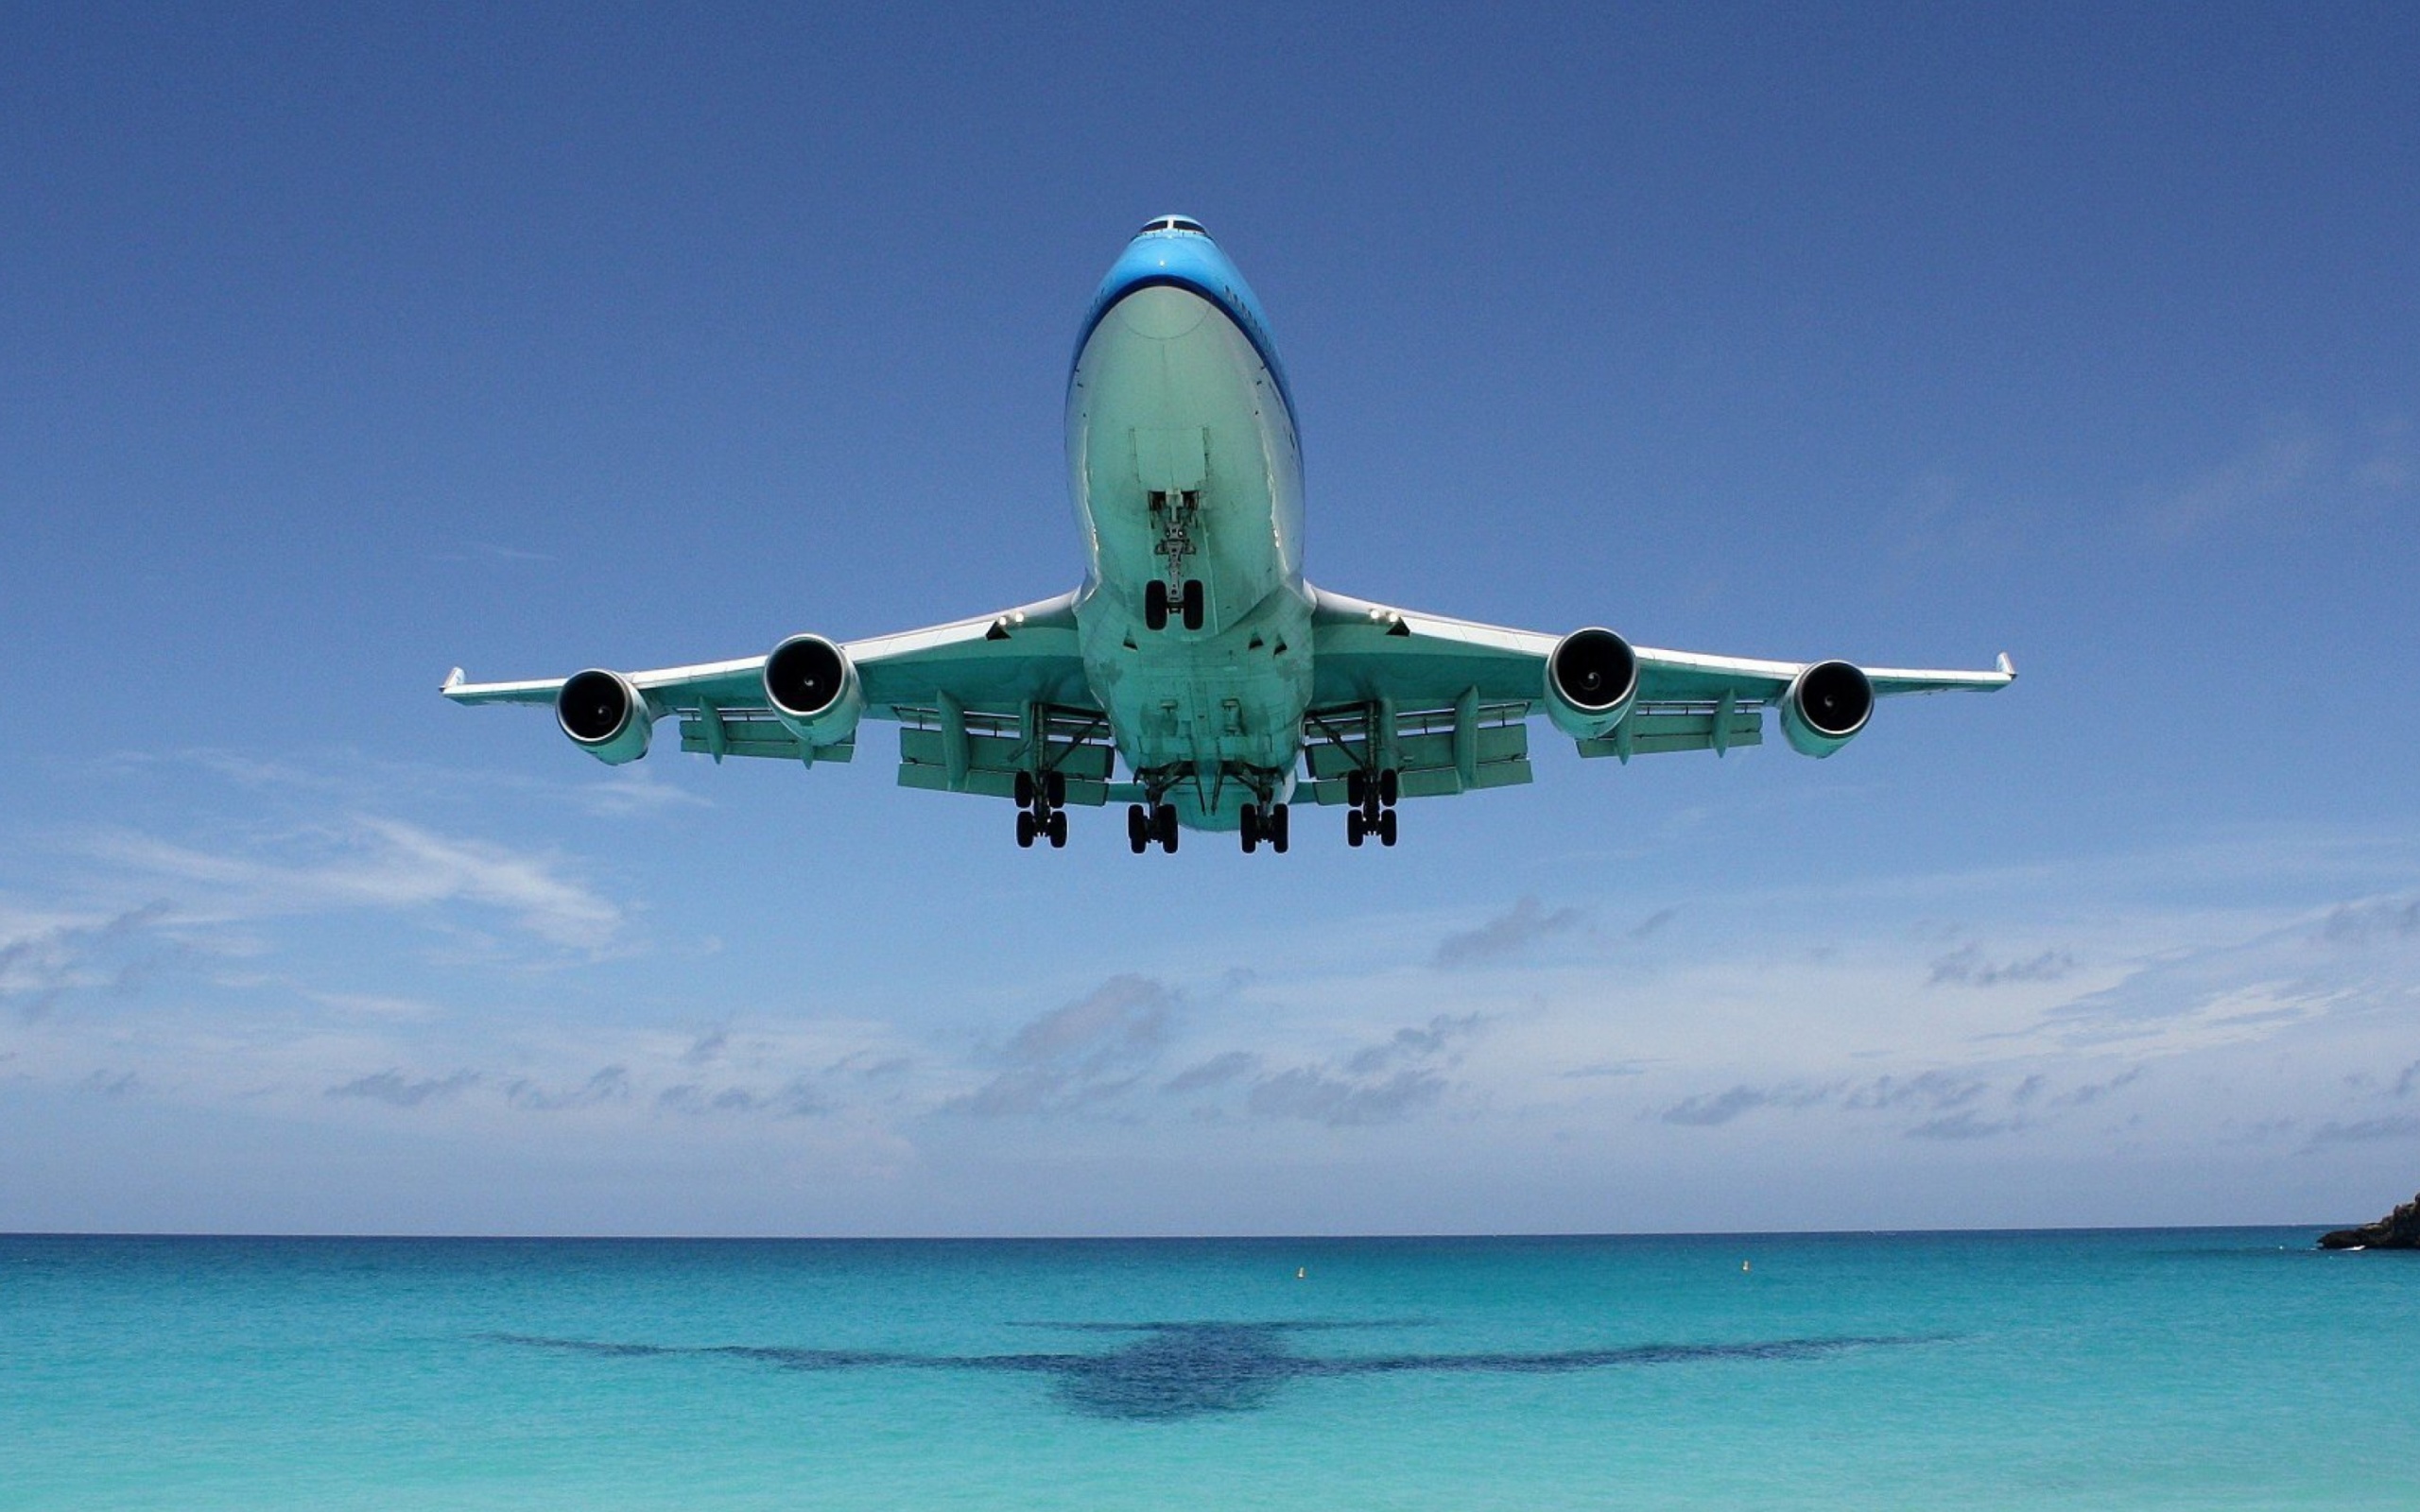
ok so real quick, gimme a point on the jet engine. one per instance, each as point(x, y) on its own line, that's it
point(813, 688)
point(1592, 676)
point(1827, 704)
point(605, 716)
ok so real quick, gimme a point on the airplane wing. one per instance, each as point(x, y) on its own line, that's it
point(975, 694)
point(1455, 695)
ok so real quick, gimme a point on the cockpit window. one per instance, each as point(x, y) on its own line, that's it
point(1174, 223)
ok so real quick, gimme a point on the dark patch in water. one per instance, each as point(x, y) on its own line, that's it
point(1187, 1369)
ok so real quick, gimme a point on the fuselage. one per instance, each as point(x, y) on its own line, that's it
point(1186, 466)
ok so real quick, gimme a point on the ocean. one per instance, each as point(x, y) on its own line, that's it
point(2103, 1369)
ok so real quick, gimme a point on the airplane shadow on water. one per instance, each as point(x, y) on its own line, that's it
point(1173, 1370)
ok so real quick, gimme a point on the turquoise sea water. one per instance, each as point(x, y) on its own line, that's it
point(2185, 1369)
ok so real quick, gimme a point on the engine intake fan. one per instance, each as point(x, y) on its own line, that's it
point(1825, 706)
point(813, 688)
point(605, 716)
point(1591, 677)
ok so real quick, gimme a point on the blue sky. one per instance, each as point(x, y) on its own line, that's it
point(337, 350)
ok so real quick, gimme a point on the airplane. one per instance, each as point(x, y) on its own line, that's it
point(1194, 653)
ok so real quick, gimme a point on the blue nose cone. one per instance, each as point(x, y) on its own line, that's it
point(1173, 251)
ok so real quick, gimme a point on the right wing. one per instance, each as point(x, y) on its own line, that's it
point(1453, 698)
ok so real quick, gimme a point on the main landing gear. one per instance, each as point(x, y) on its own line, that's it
point(1041, 809)
point(1150, 826)
point(1189, 604)
point(1372, 796)
point(1266, 824)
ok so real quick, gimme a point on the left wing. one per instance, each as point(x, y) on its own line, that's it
point(1382, 671)
point(985, 699)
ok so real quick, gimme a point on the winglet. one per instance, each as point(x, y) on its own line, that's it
point(454, 680)
point(2008, 668)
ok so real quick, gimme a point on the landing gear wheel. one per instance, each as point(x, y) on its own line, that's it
point(1025, 829)
point(1138, 829)
point(1386, 827)
point(1054, 789)
point(1280, 822)
point(1356, 787)
point(1025, 790)
point(1194, 606)
point(1250, 830)
point(1164, 826)
point(1390, 789)
point(1057, 825)
point(1355, 827)
point(1155, 605)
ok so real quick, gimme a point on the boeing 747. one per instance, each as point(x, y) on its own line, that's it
point(1194, 655)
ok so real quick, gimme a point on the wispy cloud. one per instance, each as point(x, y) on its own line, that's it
point(43, 958)
point(794, 1098)
point(1967, 965)
point(1341, 1102)
point(2295, 466)
point(1216, 1072)
point(370, 862)
point(1089, 1050)
point(396, 1090)
point(610, 1085)
point(1508, 934)
point(1708, 1109)
point(2367, 1130)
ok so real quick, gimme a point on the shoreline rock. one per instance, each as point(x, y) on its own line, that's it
point(2399, 1229)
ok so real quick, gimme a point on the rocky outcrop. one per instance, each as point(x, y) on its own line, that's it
point(2399, 1229)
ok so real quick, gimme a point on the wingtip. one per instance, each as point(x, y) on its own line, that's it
point(453, 680)
point(2008, 668)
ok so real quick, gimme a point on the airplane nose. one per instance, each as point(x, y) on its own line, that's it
point(1162, 313)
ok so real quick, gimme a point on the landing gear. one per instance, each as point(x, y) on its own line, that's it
point(1150, 826)
point(1268, 825)
point(1041, 809)
point(1373, 796)
point(1188, 600)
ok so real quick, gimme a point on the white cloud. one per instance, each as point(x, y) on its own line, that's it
point(368, 862)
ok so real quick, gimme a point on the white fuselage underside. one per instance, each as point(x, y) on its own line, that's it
point(1169, 397)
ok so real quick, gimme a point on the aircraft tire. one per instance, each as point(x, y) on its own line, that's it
point(1386, 827)
point(1155, 605)
point(1355, 828)
point(1281, 822)
point(1390, 789)
point(1058, 828)
point(1139, 829)
point(1054, 788)
point(1195, 605)
point(1025, 790)
point(1025, 829)
point(1356, 787)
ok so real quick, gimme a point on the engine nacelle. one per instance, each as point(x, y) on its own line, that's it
point(812, 686)
point(605, 716)
point(1827, 704)
point(1591, 677)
